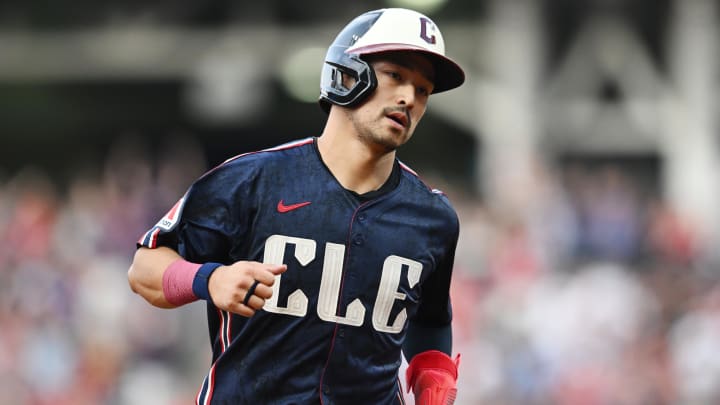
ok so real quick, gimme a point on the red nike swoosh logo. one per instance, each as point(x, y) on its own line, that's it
point(281, 207)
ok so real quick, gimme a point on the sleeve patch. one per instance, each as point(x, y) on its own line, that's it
point(170, 219)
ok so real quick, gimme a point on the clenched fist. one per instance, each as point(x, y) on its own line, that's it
point(243, 286)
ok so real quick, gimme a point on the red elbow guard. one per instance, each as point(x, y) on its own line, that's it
point(432, 375)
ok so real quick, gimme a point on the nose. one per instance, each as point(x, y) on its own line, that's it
point(406, 95)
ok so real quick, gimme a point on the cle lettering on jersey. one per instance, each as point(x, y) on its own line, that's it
point(330, 285)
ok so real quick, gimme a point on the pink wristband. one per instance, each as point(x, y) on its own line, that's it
point(177, 282)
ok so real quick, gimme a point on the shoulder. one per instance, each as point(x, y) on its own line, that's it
point(433, 196)
point(238, 176)
point(300, 146)
point(247, 164)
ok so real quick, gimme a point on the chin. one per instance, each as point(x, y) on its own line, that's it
point(388, 140)
point(388, 144)
point(395, 142)
point(401, 138)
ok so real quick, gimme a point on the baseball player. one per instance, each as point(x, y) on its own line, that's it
point(323, 260)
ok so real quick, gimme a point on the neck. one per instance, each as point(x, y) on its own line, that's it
point(357, 166)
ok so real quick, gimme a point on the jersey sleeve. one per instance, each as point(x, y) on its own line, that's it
point(201, 225)
point(435, 307)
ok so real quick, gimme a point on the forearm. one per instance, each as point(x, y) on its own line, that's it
point(431, 373)
point(423, 338)
point(166, 280)
point(146, 274)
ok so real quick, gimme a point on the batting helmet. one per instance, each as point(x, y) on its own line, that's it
point(384, 30)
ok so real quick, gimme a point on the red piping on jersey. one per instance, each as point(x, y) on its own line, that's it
point(289, 145)
point(223, 334)
point(411, 171)
point(407, 168)
point(153, 238)
point(210, 385)
point(342, 284)
point(152, 234)
point(228, 331)
point(277, 148)
point(174, 209)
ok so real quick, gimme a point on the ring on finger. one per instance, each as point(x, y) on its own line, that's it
point(250, 292)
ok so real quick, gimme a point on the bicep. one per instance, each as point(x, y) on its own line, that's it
point(435, 308)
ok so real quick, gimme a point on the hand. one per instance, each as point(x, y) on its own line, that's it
point(432, 376)
point(229, 286)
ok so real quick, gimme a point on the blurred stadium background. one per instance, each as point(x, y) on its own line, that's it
point(581, 155)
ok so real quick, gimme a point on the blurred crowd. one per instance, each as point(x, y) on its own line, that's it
point(72, 331)
point(598, 294)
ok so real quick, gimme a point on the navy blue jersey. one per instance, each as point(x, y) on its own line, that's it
point(358, 269)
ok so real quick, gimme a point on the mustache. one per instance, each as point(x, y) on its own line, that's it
point(403, 110)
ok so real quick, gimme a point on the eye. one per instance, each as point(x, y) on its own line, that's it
point(394, 74)
point(422, 90)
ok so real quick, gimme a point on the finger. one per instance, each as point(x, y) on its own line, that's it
point(238, 308)
point(266, 275)
point(242, 310)
point(263, 291)
point(278, 269)
point(255, 303)
point(250, 292)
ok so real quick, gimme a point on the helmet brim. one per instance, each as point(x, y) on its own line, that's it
point(448, 74)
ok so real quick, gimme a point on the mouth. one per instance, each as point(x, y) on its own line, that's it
point(401, 117)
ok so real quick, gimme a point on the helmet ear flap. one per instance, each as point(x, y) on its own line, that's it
point(339, 62)
point(333, 88)
point(337, 80)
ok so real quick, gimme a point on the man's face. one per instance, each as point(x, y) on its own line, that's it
point(390, 115)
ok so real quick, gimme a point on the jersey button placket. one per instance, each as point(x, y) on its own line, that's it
point(359, 239)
